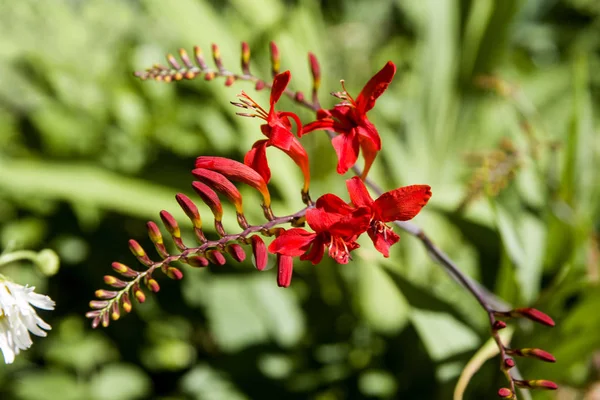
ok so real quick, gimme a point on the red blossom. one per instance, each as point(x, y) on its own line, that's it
point(400, 204)
point(278, 131)
point(349, 120)
point(336, 226)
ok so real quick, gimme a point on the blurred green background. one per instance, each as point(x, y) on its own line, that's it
point(495, 106)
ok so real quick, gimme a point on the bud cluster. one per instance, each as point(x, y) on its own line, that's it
point(508, 363)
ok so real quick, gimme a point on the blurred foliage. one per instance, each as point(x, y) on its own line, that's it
point(88, 153)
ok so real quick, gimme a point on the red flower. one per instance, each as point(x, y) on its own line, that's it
point(336, 225)
point(400, 204)
point(278, 131)
point(349, 119)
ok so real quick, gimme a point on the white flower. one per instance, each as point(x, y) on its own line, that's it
point(18, 317)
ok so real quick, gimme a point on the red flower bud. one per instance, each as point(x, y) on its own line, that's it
point(216, 257)
point(152, 285)
point(138, 293)
point(260, 85)
point(259, 250)
point(216, 53)
point(221, 184)
point(114, 282)
point(505, 393)
point(139, 252)
point(190, 209)
point(537, 384)
point(509, 363)
point(534, 353)
point(236, 251)
point(275, 60)
point(210, 198)
point(534, 315)
point(499, 325)
point(245, 58)
point(285, 267)
point(196, 261)
point(124, 270)
point(236, 171)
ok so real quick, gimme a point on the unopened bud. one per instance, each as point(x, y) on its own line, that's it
point(171, 59)
point(505, 393)
point(275, 60)
point(139, 252)
point(114, 282)
point(259, 251)
point(534, 315)
point(499, 325)
point(124, 270)
point(105, 294)
point(236, 251)
point(285, 267)
point(185, 58)
point(126, 302)
point(216, 257)
point(199, 58)
point(537, 384)
point(245, 58)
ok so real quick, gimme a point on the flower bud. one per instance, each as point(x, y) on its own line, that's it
point(245, 58)
point(190, 209)
point(509, 363)
point(174, 273)
point(152, 284)
point(236, 251)
point(260, 85)
point(534, 315)
point(105, 320)
point(220, 184)
point(285, 266)
point(505, 393)
point(196, 261)
point(216, 257)
point(138, 293)
point(157, 239)
point(498, 325)
point(105, 294)
point(216, 53)
point(259, 251)
point(209, 197)
point(199, 58)
point(171, 60)
point(115, 312)
point(236, 171)
point(139, 252)
point(275, 60)
point(533, 353)
point(537, 384)
point(114, 282)
point(98, 304)
point(124, 270)
point(126, 302)
point(185, 58)
point(173, 228)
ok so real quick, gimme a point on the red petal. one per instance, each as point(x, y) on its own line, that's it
point(359, 195)
point(375, 87)
point(293, 242)
point(279, 84)
point(256, 159)
point(346, 147)
point(401, 204)
point(352, 225)
point(369, 150)
point(383, 240)
point(281, 137)
point(320, 124)
point(259, 251)
point(317, 249)
point(297, 153)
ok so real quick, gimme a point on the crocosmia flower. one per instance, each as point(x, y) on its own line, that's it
point(400, 204)
point(18, 317)
point(278, 131)
point(349, 120)
point(336, 226)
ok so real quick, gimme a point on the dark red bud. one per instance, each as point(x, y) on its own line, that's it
point(505, 393)
point(534, 315)
point(236, 251)
point(285, 267)
point(260, 253)
point(499, 325)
